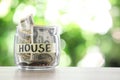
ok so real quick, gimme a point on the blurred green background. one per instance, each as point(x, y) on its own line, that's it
point(89, 29)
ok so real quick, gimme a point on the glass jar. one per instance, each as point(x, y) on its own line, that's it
point(36, 47)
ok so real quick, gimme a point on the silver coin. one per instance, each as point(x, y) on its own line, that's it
point(42, 58)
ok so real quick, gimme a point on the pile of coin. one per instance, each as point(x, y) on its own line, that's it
point(40, 37)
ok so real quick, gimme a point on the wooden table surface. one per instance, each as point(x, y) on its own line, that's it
point(61, 73)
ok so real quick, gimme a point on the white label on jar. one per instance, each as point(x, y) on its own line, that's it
point(36, 48)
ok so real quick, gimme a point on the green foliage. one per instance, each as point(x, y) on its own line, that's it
point(75, 47)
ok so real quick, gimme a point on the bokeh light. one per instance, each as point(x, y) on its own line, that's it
point(4, 7)
point(93, 58)
point(22, 11)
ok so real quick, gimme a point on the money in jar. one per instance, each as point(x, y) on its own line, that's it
point(36, 47)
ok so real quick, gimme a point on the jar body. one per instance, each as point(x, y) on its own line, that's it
point(37, 48)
